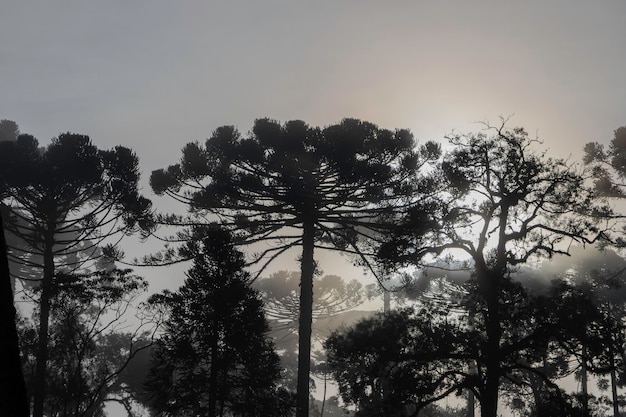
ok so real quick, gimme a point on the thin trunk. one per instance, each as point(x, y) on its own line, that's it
point(471, 403)
point(306, 318)
point(583, 382)
point(324, 397)
point(39, 391)
point(213, 372)
point(613, 381)
point(386, 301)
point(13, 397)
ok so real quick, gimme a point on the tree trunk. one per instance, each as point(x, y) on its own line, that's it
point(324, 397)
point(213, 371)
point(583, 382)
point(490, 289)
point(13, 397)
point(39, 391)
point(471, 403)
point(386, 300)
point(613, 380)
point(306, 318)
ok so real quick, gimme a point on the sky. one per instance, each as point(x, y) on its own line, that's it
point(154, 75)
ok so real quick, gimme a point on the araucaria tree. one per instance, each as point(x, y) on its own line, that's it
point(502, 204)
point(64, 201)
point(295, 185)
point(215, 357)
point(281, 295)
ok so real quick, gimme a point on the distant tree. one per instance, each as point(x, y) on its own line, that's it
point(609, 165)
point(64, 202)
point(502, 204)
point(294, 185)
point(281, 293)
point(601, 276)
point(89, 344)
point(214, 357)
point(13, 398)
point(9, 130)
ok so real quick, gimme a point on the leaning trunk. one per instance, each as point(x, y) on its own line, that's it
point(306, 319)
point(13, 398)
point(39, 391)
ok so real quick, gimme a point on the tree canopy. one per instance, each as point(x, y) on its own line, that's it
point(295, 185)
point(215, 357)
point(502, 204)
point(63, 203)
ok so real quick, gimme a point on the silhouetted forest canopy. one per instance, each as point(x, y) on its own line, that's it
point(495, 275)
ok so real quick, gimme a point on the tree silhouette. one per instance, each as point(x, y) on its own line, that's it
point(13, 399)
point(599, 276)
point(294, 185)
point(280, 293)
point(609, 165)
point(9, 130)
point(89, 342)
point(408, 359)
point(214, 357)
point(64, 201)
point(502, 204)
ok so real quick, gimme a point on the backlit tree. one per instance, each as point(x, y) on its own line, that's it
point(63, 202)
point(502, 204)
point(293, 185)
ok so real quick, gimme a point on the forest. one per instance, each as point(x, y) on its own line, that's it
point(496, 275)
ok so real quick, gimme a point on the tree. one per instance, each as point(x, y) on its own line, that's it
point(89, 343)
point(599, 274)
point(13, 399)
point(397, 360)
point(280, 293)
point(502, 204)
point(405, 361)
point(63, 202)
point(9, 131)
point(214, 357)
point(609, 165)
point(294, 185)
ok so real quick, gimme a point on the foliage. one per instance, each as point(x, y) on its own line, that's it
point(502, 204)
point(88, 345)
point(63, 202)
point(214, 356)
point(609, 165)
point(411, 358)
point(294, 185)
point(9, 131)
point(280, 293)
